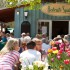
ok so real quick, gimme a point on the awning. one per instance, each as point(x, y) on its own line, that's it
point(7, 15)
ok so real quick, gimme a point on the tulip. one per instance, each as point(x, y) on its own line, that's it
point(54, 48)
point(67, 61)
point(50, 50)
point(66, 50)
point(55, 52)
point(58, 57)
point(52, 59)
point(62, 45)
point(60, 52)
point(68, 54)
point(62, 49)
point(57, 42)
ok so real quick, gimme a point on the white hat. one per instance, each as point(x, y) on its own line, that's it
point(58, 36)
point(23, 34)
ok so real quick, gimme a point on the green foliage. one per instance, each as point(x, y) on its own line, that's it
point(33, 4)
point(68, 1)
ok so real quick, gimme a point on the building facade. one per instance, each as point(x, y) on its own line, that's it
point(39, 22)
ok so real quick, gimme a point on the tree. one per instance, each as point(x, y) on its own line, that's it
point(33, 4)
point(68, 1)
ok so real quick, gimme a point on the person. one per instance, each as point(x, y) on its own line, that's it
point(29, 56)
point(38, 36)
point(24, 46)
point(22, 37)
point(45, 45)
point(4, 39)
point(27, 34)
point(38, 44)
point(8, 36)
point(9, 55)
point(44, 36)
point(27, 39)
point(6, 31)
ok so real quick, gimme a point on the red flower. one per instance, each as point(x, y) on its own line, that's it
point(60, 51)
point(67, 61)
point(54, 48)
point(66, 50)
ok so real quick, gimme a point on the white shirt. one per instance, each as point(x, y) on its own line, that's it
point(29, 56)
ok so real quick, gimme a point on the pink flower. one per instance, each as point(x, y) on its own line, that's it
point(68, 53)
point(62, 49)
point(57, 42)
point(52, 59)
point(58, 57)
point(62, 45)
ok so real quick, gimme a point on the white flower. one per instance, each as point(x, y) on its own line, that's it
point(30, 67)
point(39, 63)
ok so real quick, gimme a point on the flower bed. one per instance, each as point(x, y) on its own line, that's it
point(59, 59)
point(37, 65)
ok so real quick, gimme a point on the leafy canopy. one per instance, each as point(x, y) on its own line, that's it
point(32, 4)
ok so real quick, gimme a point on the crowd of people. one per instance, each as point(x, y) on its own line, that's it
point(20, 52)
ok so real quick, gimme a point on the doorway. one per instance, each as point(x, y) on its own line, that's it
point(25, 27)
point(44, 26)
point(59, 28)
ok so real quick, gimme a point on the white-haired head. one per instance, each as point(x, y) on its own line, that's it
point(27, 39)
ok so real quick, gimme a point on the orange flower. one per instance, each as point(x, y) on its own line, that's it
point(52, 43)
point(50, 50)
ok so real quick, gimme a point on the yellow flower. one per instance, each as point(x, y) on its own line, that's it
point(55, 52)
point(61, 66)
point(50, 50)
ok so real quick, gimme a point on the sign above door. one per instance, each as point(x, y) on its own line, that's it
point(56, 9)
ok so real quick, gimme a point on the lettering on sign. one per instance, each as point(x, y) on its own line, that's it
point(57, 9)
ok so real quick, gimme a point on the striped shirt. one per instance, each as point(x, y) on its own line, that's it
point(10, 58)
